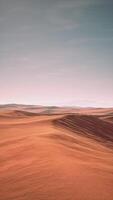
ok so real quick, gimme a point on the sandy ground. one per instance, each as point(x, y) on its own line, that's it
point(56, 157)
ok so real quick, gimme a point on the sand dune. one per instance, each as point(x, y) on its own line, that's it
point(55, 109)
point(56, 154)
point(89, 126)
point(17, 114)
point(108, 117)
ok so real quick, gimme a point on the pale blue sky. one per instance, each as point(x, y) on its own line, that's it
point(56, 52)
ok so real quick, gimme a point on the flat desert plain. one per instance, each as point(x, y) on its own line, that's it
point(51, 153)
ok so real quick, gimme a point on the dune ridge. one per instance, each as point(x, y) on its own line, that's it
point(89, 126)
point(58, 155)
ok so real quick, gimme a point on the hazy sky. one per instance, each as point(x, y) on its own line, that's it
point(56, 52)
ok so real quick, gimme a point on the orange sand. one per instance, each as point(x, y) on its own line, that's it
point(56, 157)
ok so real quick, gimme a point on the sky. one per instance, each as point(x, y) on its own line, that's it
point(56, 52)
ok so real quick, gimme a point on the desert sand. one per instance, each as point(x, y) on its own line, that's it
point(51, 153)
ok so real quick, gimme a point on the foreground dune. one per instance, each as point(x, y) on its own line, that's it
point(56, 155)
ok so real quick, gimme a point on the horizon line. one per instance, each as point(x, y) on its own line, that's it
point(46, 105)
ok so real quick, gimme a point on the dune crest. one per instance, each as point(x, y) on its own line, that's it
point(89, 126)
point(58, 155)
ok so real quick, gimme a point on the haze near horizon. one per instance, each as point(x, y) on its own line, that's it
point(56, 52)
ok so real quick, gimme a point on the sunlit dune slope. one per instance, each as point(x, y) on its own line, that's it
point(56, 156)
point(16, 114)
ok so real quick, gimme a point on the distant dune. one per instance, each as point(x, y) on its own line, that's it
point(17, 114)
point(56, 153)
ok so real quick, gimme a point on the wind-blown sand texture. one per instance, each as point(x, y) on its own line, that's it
point(51, 153)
